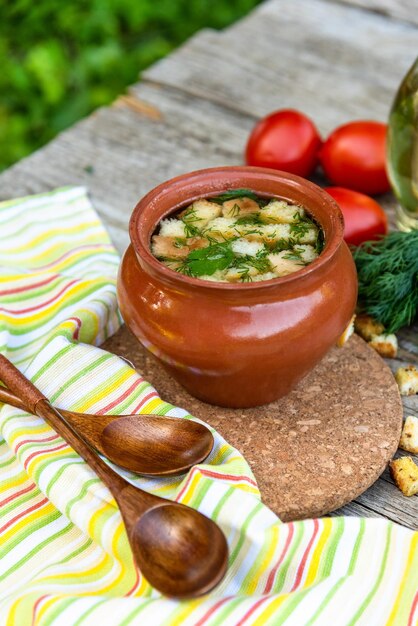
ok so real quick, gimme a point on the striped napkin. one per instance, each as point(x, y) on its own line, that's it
point(64, 554)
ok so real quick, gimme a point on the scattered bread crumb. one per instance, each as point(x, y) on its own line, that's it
point(409, 437)
point(367, 327)
point(405, 475)
point(347, 333)
point(385, 345)
point(407, 379)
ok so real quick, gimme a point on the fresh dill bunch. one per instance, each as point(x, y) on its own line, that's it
point(388, 279)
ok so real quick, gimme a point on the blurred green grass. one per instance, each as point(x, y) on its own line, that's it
point(61, 60)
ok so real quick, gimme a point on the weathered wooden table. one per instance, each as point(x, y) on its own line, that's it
point(334, 60)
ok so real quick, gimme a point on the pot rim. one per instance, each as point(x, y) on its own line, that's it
point(140, 232)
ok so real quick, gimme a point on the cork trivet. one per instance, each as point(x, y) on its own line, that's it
point(318, 448)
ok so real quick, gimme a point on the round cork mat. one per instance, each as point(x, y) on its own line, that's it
point(314, 450)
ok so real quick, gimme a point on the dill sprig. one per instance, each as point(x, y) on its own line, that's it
point(189, 220)
point(388, 279)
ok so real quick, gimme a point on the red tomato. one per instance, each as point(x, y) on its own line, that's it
point(364, 218)
point(354, 156)
point(284, 140)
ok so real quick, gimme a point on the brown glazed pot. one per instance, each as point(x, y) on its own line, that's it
point(237, 345)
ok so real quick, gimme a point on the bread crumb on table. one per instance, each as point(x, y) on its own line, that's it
point(405, 475)
point(367, 327)
point(385, 345)
point(409, 437)
point(407, 379)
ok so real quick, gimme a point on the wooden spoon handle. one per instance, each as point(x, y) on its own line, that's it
point(8, 397)
point(115, 482)
point(38, 404)
point(20, 385)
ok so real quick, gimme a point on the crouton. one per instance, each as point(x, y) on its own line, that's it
point(221, 228)
point(409, 437)
point(278, 211)
point(237, 274)
point(367, 327)
point(385, 345)
point(239, 207)
point(269, 233)
point(347, 333)
point(405, 475)
point(407, 379)
point(244, 247)
point(282, 265)
point(266, 276)
point(310, 236)
point(176, 248)
point(217, 277)
point(200, 213)
point(172, 228)
point(307, 253)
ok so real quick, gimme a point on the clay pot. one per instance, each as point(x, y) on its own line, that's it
point(237, 345)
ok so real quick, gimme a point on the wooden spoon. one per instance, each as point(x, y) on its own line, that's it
point(180, 552)
point(152, 445)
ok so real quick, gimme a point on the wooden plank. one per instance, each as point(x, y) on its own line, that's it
point(405, 10)
point(333, 61)
point(121, 152)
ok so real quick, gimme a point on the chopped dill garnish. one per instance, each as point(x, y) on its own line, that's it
point(294, 255)
point(301, 227)
point(189, 218)
point(282, 244)
point(260, 261)
point(251, 218)
point(388, 279)
point(179, 242)
point(255, 239)
point(235, 210)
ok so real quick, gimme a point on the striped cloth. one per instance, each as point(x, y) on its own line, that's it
point(65, 559)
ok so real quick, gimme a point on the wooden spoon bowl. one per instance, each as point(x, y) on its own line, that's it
point(155, 446)
point(191, 546)
point(152, 445)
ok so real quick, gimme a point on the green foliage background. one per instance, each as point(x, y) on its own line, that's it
point(62, 59)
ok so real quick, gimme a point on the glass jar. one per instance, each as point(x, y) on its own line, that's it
point(403, 150)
